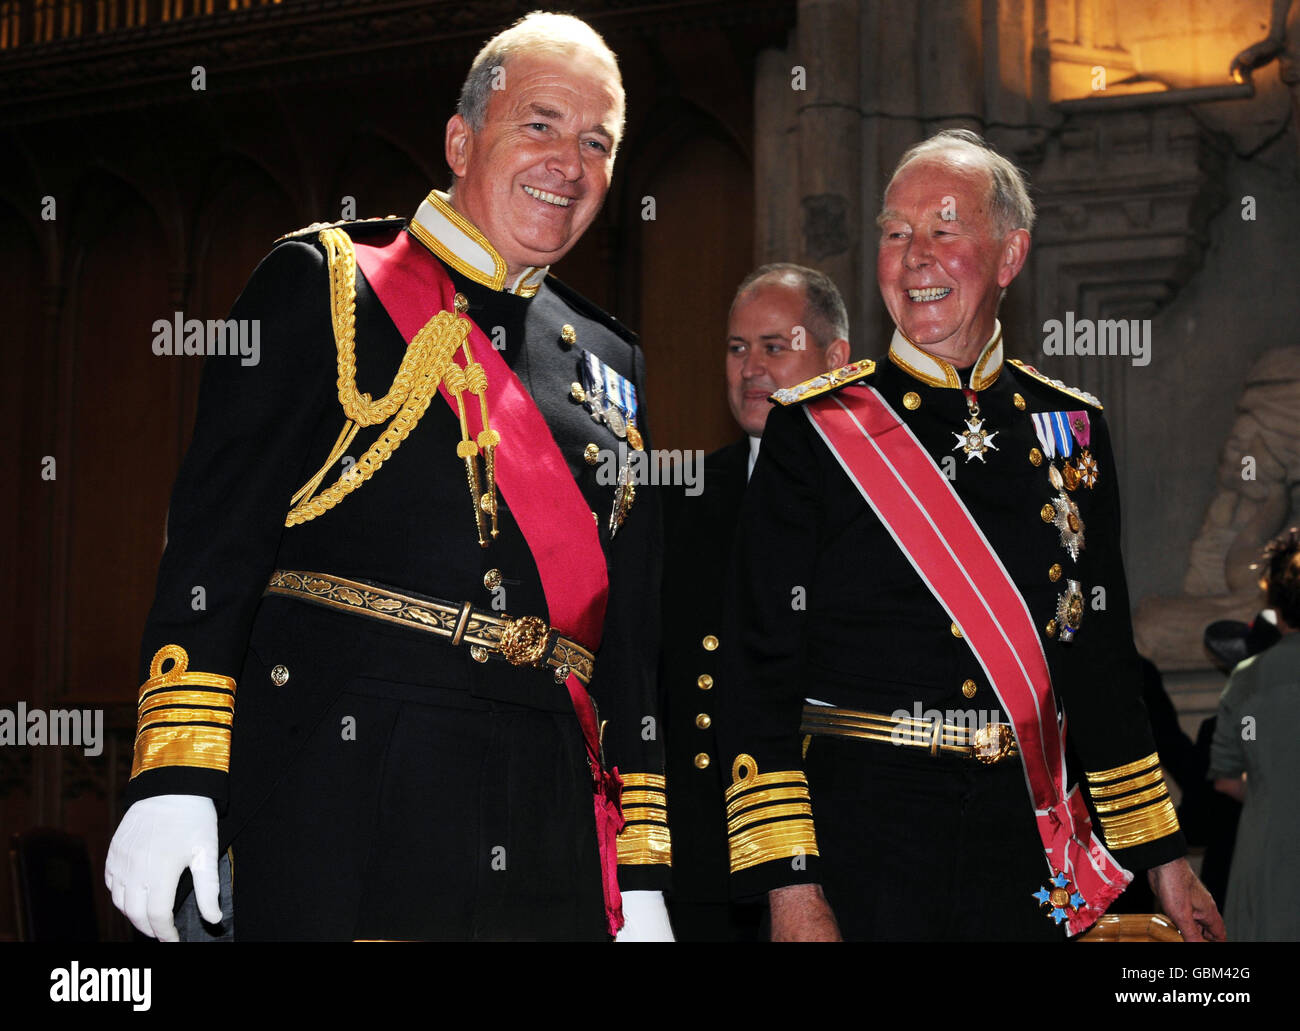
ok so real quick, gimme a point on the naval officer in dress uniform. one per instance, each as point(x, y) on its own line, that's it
point(414, 691)
point(930, 594)
point(787, 323)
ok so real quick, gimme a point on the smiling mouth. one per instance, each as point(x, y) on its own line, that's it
point(930, 293)
point(548, 198)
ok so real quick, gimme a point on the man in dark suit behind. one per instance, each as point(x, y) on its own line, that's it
point(787, 324)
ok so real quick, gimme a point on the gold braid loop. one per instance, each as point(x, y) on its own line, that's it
point(428, 358)
point(359, 407)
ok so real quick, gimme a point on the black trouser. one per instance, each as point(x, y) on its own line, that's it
point(403, 809)
point(921, 848)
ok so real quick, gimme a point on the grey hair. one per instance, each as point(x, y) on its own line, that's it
point(824, 313)
point(1009, 202)
point(537, 33)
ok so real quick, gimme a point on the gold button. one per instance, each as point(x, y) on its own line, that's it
point(911, 400)
point(596, 518)
point(568, 335)
point(710, 643)
point(956, 631)
point(1072, 521)
point(968, 688)
point(704, 681)
point(702, 761)
point(591, 454)
point(1048, 513)
point(478, 653)
point(577, 393)
point(1035, 456)
point(492, 579)
point(1051, 628)
point(1018, 401)
point(280, 676)
point(1054, 573)
point(460, 304)
point(702, 721)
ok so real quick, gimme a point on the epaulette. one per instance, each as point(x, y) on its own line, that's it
point(346, 223)
point(585, 307)
point(1075, 392)
point(825, 382)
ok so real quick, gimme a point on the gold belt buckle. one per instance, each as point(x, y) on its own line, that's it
point(992, 743)
point(523, 640)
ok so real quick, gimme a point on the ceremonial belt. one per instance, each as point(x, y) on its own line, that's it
point(549, 509)
point(988, 744)
point(939, 537)
point(525, 641)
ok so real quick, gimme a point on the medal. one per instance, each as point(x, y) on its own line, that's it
point(1069, 611)
point(624, 495)
point(1066, 519)
point(608, 396)
point(1058, 898)
point(975, 440)
point(1085, 469)
point(1054, 434)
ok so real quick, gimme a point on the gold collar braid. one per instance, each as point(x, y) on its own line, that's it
point(427, 362)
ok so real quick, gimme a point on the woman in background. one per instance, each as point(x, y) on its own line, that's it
point(1254, 759)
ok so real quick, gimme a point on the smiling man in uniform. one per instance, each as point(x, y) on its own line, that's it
point(387, 709)
point(925, 548)
point(787, 323)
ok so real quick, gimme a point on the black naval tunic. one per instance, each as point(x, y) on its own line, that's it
point(908, 845)
point(383, 783)
point(699, 533)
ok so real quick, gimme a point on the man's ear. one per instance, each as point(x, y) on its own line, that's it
point(1015, 249)
point(459, 138)
point(837, 353)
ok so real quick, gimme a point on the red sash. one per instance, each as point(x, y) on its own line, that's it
point(917, 504)
point(535, 481)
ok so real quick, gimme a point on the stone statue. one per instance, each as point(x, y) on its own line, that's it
point(1258, 494)
point(1282, 42)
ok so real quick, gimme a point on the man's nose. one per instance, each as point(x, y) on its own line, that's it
point(917, 254)
point(753, 365)
point(566, 158)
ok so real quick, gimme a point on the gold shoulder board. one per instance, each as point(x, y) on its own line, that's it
point(1075, 392)
point(824, 383)
point(316, 227)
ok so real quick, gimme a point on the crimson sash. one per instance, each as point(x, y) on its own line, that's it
point(943, 543)
point(535, 481)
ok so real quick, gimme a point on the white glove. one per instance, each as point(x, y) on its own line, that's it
point(645, 918)
point(156, 840)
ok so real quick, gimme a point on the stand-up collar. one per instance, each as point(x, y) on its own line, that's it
point(458, 242)
point(939, 373)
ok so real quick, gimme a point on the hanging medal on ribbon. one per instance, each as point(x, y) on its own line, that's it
point(1053, 431)
point(974, 440)
point(1086, 465)
point(611, 399)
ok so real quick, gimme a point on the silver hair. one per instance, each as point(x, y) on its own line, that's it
point(537, 33)
point(1009, 202)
